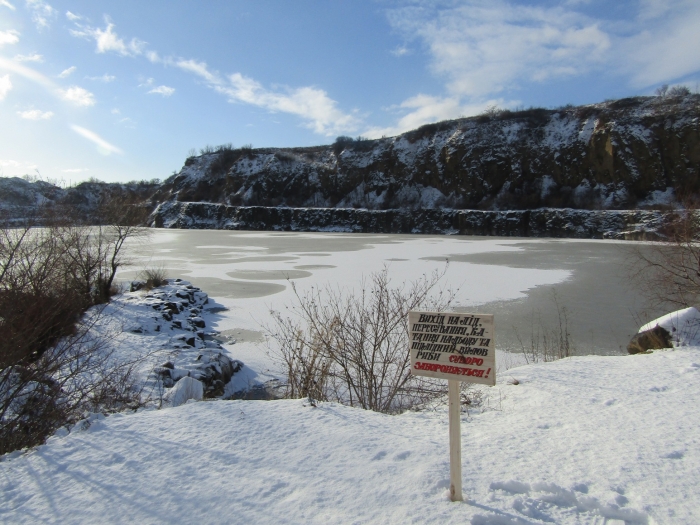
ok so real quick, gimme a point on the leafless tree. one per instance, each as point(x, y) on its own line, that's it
point(52, 365)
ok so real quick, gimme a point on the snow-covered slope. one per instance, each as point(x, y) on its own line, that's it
point(635, 152)
point(583, 440)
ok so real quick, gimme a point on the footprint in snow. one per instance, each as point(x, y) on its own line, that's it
point(676, 454)
point(379, 455)
point(402, 456)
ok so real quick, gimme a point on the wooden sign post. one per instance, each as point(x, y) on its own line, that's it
point(456, 347)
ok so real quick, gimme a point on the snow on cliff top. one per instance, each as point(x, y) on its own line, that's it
point(584, 440)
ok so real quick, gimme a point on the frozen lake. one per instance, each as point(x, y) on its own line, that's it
point(514, 278)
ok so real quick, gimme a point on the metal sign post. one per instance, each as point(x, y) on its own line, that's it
point(456, 347)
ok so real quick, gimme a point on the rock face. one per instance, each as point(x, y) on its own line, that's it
point(565, 223)
point(623, 154)
point(653, 339)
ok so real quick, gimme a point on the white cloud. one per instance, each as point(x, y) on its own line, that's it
point(200, 69)
point(42, 13)
point(7, 4)
point(483, 48)
point(423, 109)
point(665, 46)
point(400, 51)
point(35, 114)
point(5, 86)
point(75, 170)
point(104, 78)
point(163, 90)
point(311, 104)
point(79, 96)
point(108, 40)
point(103, 146)
point(67, 72)
point(9, 37)
point(72, 16)
point(29, 58)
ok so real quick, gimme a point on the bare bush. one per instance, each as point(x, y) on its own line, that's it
point(546, 343)
point(352, 346)
point(154, 277)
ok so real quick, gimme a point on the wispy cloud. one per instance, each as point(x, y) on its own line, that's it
point(67, 72)
point(311, 104)
point(7, 4)
point(35, 114)
point(107, 40)
point(664, 47)
point(35, 57)
point(9, 37)
point(73, 17)
point(422, 109)
point(74, 94)
point(103, 146)
point(75, 170)
point(162, 90)
point(104, 78)
point(5, 86)
point(42, 13)
point(79, 96)
point(483, 48)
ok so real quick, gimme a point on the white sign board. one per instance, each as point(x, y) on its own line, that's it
point(453, 346)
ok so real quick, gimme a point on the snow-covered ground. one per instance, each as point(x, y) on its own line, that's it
point(590, 439)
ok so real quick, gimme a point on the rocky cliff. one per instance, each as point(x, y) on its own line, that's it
point(630, 153)
point(543, 222)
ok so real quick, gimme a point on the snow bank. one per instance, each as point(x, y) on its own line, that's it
point(185, 389)
point(584, 440)
point(683, 325)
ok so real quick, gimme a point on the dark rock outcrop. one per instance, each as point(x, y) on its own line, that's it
point(654, 339)
point(564, 223)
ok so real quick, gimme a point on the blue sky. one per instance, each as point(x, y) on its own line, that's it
point(123, 90)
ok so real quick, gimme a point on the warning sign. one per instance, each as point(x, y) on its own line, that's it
point(453, 346)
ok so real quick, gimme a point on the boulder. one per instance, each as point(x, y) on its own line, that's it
point(652, 339)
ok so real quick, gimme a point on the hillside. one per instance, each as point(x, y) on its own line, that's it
point(622, 154)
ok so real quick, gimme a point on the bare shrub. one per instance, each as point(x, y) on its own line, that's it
point(352, 346)
point(546, 343)
point(154, 277)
